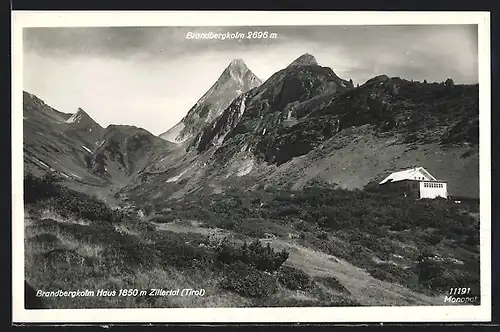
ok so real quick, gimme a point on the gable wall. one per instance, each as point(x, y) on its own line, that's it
point(440, 190)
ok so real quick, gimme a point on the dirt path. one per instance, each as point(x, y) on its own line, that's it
point(363, 287)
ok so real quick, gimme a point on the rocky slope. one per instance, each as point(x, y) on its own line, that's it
point(80, 151)
point(306, 123)
point(58, 141)
point(234, 80)
point(124, 151)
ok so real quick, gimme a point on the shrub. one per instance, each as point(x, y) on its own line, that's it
point(248, 281)
point(429, 271)
point(48, 192)
point(40, 188)
point(333, 283)
point(434, 238)
point(390, 272)
point(181, 254)
point(302, 226)
point(294, 279)
point(322, 235)
point(256, 255)
point(84, 206)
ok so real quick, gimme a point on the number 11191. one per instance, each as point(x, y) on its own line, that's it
point(459, 291)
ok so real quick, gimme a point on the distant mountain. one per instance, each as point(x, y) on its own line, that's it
point(234, 80)
point(54, 142)
point(78, 149)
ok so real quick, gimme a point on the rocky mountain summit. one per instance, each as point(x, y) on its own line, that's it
point(277, 105)
point(234, 80)
point(304, 60)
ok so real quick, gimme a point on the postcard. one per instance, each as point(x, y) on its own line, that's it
point(251, 167)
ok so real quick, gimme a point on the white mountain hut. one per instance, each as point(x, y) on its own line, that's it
point(415, 182)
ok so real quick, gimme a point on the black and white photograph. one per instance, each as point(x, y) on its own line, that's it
point(301, 166)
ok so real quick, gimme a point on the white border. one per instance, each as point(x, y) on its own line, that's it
point(480, 313)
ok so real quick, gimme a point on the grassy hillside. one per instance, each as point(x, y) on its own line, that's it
point(386, 235)
point(325, 247)
point(74, 241)
point(359, 155)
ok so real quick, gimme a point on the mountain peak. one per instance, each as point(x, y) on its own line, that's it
point(238, 63)
point(237, 68)
point(305, 59)
point(80, 116)
point(81, 111)
point(235, 80)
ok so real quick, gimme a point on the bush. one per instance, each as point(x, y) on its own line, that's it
point(333, 283)
point(390, 272)
point(36, 189)
point(294, 279)
point(48, 192)
point(84, 206)
point(178, 252)
point(434, 238)
point(303, 226)
point(248, 281)
point(429, 271)
point(256, 255)
point(322, 235)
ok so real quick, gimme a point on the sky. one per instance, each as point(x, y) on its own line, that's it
point(151, 76)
